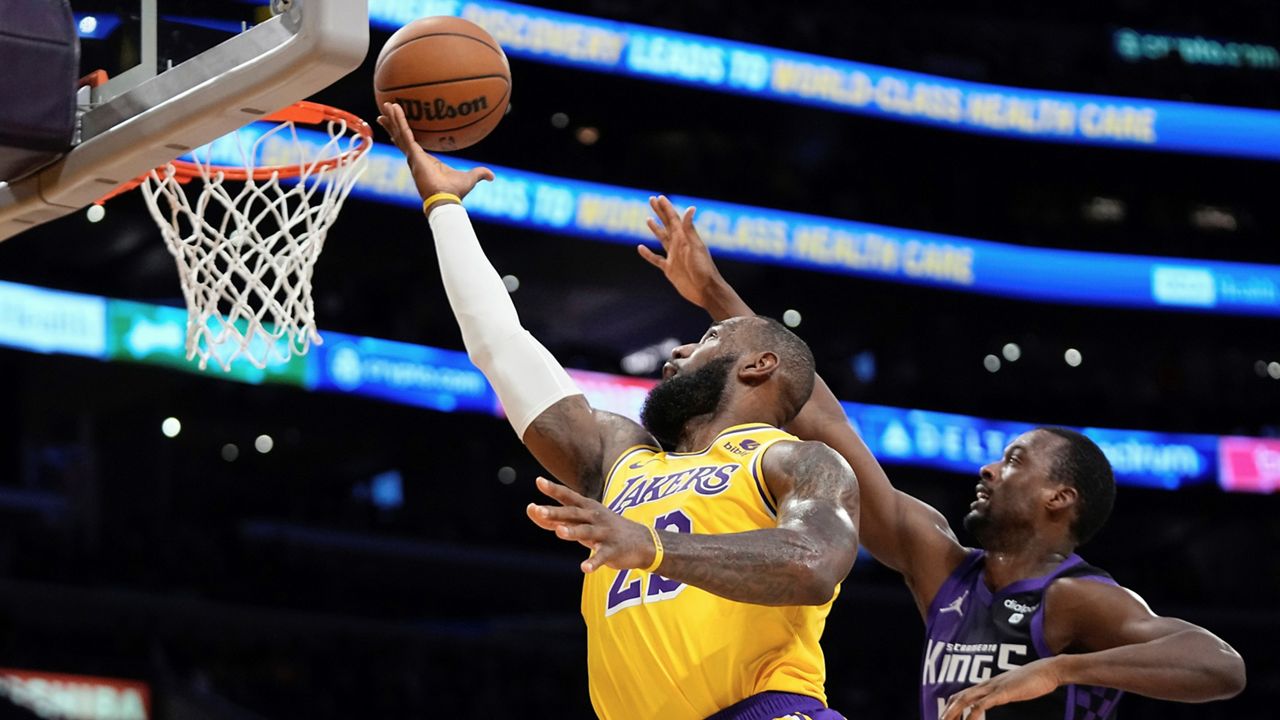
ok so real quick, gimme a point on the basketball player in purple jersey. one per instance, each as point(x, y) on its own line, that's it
point(1023, 628)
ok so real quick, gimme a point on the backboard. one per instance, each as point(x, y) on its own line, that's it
point(163, 101)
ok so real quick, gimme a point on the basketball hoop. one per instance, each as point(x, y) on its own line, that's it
point(245, 254)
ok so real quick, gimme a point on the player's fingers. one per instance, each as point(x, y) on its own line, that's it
point(687, 219)
point(564, 514)
point(479, 174)
point(667, 212)
point(538, 519)
point(404, 136)
point(393, 117)
point(658, 231)
point(956, 705)
point(656, 207)
point(397, 125)
point(599, 558)
point(652, 257)
point(588, 535)
point(559, 492)
point(387, 121)
point(397, 113)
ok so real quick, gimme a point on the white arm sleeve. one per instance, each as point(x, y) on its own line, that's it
point(526, 377)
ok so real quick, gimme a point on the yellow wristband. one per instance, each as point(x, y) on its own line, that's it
point(657, 550)
point(426, 204)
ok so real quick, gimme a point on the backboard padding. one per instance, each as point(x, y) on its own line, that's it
point(254, 73)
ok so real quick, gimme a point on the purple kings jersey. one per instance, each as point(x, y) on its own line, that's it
point(973, 633)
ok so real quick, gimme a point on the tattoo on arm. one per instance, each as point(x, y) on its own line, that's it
point(576, 444)
point(801, 560)
point(561, 438)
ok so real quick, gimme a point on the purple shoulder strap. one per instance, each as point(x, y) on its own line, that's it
point(955, 580)
point(1065, 569)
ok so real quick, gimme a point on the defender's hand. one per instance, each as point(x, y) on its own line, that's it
point(687, 265)
point(429, 174)
point(1028, 682)
point(614, 540)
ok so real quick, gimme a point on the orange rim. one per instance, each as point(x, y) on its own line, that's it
point(302, 112)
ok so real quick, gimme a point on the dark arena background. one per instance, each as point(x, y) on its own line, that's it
point(345, 536)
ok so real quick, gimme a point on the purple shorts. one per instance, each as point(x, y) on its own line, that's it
point(777, 706)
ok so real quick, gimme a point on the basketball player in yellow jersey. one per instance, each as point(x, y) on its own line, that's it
point(712, 567)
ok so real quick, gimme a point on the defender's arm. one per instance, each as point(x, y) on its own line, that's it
point(1108, 637)
point(899, 530)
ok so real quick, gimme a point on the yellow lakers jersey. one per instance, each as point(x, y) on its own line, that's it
point(657, 648)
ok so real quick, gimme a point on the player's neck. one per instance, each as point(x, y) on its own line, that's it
point(699, 431)
point(1032, 559)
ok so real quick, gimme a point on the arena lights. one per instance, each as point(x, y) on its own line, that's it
point(1104, 210)
point(1207, 217)
point(386, 490)
point(171, 427)
point(1137, 46)
point(81, 697)
point(50, 321)
point(841, 85)
point(96, 26)
point(649, 358)
point(445, 380)
point(1249, 465)
point(610, 213)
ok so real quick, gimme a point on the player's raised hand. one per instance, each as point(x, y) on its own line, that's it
point(429, 174)
point(687, 264)
point(1028, 682)
point(614, 540)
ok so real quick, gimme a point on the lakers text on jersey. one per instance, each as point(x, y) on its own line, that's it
point(657, 648)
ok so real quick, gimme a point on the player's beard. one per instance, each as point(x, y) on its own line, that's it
point(672, 403)
point(978, 525)
point(1003, 532)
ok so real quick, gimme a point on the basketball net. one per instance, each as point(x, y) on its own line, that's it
point(245, 242)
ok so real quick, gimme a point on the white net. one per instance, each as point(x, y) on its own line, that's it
point(246, 247)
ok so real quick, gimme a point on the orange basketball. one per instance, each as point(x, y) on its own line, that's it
point(450, 76)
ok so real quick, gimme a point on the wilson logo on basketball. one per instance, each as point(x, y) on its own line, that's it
point(438, 109)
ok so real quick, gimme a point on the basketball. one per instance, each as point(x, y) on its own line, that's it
point(450, 76)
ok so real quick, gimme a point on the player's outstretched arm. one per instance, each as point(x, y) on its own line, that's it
point(899, 530)
point(543, 404)
point(1108, 637)
point(799, 562)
